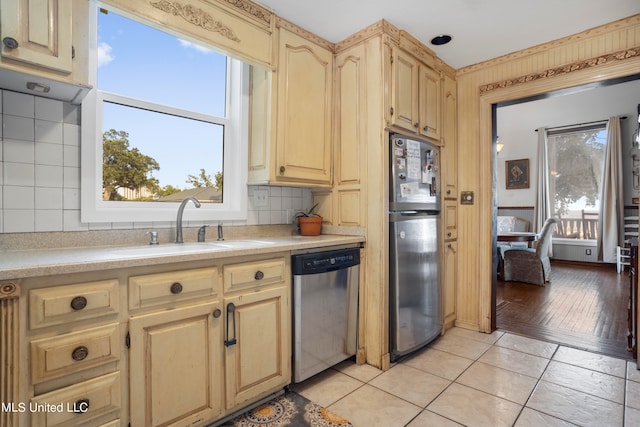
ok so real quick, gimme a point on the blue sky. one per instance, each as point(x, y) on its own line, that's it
point(144, 63)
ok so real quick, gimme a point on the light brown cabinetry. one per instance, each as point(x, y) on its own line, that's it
point(257, 323)
point(198, 352)
point(449, 152)
point(415, 96)
point(78, 370)
point(291, 134)
point(449, 155)
point(46, 40)
point(176, 372)
point(450, 262)
point(343, 205)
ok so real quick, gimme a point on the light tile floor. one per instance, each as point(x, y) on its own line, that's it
point(474, 379)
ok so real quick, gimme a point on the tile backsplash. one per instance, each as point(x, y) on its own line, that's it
point(40, 173)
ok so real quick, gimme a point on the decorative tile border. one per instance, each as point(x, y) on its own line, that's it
point(565, 69)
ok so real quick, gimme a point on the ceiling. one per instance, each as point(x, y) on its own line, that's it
point(481, 29)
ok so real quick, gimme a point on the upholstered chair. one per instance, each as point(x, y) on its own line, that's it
point(531, 265)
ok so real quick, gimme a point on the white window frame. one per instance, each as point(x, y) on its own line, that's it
point(235, 149)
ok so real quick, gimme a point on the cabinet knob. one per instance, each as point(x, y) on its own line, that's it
point(81, 406)
point(176, 288)
point(282, 169)
point(449, 234)
point(416, 125)
point(426, 128)
point(79, 353)
point(259, 275)
point(78, 303)
point(10, 43)
point(217, 313)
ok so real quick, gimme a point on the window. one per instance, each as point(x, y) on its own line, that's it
point(576, 162)
point(166, 120)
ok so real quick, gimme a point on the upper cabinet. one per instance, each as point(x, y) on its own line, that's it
point(44, 43)
point(291, 115)
point(429, 103)
point(449, 140)
point(415, 96)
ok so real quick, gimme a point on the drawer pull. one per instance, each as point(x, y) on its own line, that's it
point(10, 43)
point(78, 303)
point(79, 353)
point(176, 288)
point(259, 275)
point(81, 406)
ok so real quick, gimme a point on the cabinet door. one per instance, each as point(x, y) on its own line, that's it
point(350, 145)
point(258, 344)
point(450, 220)
point(449, 283)
point(404, 91)
point(42, 30)
point(176, 366)
point(449, 140)
point(429, 103)
point(304, 124)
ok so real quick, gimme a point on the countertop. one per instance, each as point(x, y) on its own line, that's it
point(16, 264)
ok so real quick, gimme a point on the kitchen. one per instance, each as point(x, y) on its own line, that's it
point(351, 201)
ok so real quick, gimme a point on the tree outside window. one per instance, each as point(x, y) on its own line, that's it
point(576, 163)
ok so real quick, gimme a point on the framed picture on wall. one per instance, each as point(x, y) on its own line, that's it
point(517, 174)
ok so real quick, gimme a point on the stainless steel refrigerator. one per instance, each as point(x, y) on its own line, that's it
point(414, 224)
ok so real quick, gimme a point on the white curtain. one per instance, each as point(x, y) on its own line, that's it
point(611, 215)
point(542, 210)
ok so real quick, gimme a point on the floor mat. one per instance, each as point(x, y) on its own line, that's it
point(290, 409)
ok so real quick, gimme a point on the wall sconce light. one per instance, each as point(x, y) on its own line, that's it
point(499, 145)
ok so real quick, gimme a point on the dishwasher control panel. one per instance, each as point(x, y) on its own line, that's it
point(325, 261)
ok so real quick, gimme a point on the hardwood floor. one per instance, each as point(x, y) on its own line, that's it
point(582, 307)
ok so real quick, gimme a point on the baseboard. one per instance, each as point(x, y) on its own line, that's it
point(585, 264)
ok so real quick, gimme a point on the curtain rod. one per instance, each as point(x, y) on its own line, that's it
point(581, 124)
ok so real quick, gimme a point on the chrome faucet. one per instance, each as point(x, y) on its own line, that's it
point(179, 220)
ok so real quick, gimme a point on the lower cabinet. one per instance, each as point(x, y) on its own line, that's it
point(176, 372)
point(257, 354)
point(195, 360)
point(449, 284)
point(148, 346)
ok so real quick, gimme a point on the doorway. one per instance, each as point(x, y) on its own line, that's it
point(540, 312)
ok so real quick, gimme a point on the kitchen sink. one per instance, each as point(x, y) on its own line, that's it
point(163, 250)
point(169, 249)
point(237, 244)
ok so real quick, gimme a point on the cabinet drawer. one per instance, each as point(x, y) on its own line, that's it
point(78, 404)
point(252, 274)
point(174, 286)
point(62, 304)
point(65, 354)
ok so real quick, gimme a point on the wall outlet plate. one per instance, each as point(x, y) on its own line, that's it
point(466, 197)
point(260, 198)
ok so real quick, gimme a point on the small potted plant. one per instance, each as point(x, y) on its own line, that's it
point(309, 222)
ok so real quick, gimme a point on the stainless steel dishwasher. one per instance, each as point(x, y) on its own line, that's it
point(325, 309)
